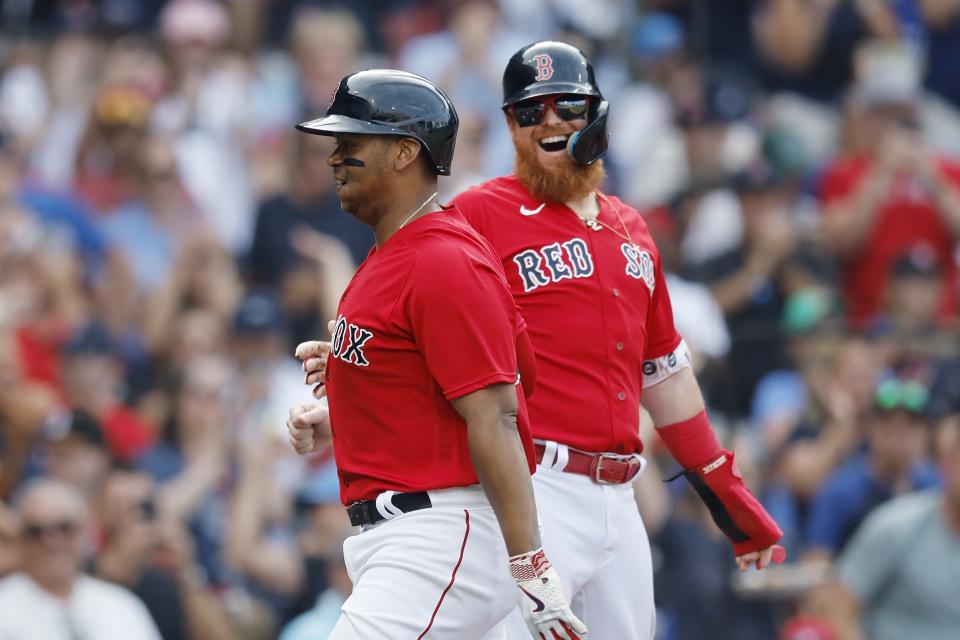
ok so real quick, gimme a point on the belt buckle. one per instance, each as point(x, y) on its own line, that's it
point(607, 456)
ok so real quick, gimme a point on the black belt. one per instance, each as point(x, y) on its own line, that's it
point(365, 512)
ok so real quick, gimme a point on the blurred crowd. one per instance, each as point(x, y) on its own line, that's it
point(166, 239)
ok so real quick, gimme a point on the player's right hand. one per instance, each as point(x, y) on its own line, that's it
point(314, 355)
point(543, 602)
point(309, 428)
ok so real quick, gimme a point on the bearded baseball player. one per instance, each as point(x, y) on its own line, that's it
point(588, 279)
point(427, 421)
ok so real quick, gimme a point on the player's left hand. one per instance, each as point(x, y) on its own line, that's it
point(314, 355)
point(761, 559)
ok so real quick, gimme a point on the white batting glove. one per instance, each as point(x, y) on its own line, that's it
point(542, 600)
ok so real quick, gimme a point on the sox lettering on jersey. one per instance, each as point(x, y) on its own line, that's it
point(348, 343)
point(553, 263)
point(639, 265)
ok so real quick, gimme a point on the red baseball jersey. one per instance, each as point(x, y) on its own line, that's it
point(595, 303)
point(427, 318)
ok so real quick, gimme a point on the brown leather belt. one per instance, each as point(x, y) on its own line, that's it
point(602, 468)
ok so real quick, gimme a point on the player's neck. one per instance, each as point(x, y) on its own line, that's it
point(408, 207)
point(586, 207)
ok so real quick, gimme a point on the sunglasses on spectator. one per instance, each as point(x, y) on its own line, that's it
point(894, 394)
point(64, 528)
point(532, 112)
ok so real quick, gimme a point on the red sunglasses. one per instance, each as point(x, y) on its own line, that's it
point(532, 112)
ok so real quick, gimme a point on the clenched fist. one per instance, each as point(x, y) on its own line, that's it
point(309, 428)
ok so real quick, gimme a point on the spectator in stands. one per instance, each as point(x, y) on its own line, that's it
point(304, 244)
point(897, 578)
point(941, 19)
point(895, 462)
point(310, 202)
point(890, 191)
point(206, 278)
point(207, 113)
point(748, 281)
point(108, 153)
point(647, 156)
point(782, 396)
point(712, 108)
point(320, 620)
point(913, 294)
point(153, 557)
point(94, 380)
point(191, 461)
point(268, 378)
point(326, 45)
point(51, 597)
point(8, 540)
point(839, 376)
point(694, 608)
point(809, 46)
point(25, 405)
point(73, 450)
point(149, 229)
point(911, 329)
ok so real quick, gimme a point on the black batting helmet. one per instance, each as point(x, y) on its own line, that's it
point(393, 103)
point(545, 68)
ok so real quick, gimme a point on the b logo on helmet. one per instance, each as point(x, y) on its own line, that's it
point(544, 66)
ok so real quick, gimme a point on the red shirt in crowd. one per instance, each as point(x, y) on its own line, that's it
point(907, 217)
point(427, 318)
point(596, 306)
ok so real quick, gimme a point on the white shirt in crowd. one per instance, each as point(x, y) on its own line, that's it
point(96, 610)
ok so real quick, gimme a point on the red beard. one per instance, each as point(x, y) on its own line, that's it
point(564, 183)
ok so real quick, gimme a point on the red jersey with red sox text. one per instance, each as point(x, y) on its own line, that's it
point(427, 318)
point(596, 306)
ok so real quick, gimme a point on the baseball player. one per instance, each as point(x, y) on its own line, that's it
point(429, 431)
point(585, 272)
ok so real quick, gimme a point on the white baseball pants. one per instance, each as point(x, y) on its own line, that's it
point(435, 574)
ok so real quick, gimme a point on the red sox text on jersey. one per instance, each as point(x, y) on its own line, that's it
point(571, 259)
point(350, 350)
point(595, 303)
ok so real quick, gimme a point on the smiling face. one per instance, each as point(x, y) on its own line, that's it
point(53, 518)
point(360, 188)
point(542, 163)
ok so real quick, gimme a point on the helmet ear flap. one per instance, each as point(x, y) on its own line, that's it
point(589, 144)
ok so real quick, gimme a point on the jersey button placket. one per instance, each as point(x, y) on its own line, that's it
point(619, 346)
point(615, 292)
point(621, 396)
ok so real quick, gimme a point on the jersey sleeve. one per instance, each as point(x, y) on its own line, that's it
point(463, 317)
point(662, 335)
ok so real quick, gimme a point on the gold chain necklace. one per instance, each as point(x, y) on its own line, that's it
point(417, 210)
point(596, 224)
